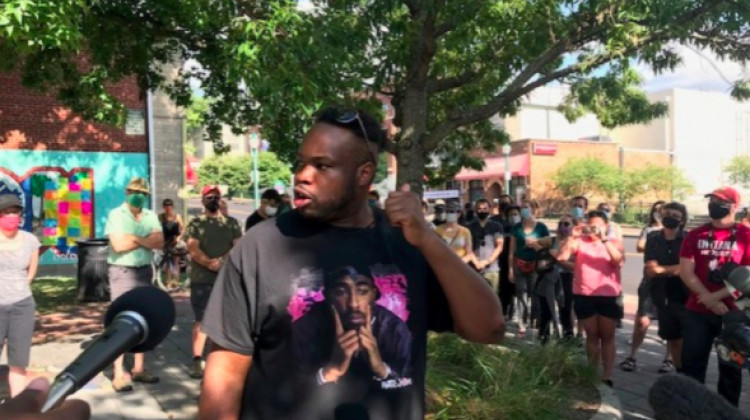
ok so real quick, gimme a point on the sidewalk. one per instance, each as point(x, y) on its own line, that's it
point(632, 387)
point(61, 337)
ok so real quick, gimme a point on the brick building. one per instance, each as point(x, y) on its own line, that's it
point(533, 163)
point(70, 172)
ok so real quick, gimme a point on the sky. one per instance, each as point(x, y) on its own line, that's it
point(700, 70)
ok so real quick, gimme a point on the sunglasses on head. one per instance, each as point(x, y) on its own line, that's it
point(349, 116)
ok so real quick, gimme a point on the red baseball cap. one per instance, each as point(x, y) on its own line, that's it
point(208, 189)
point(726, 194)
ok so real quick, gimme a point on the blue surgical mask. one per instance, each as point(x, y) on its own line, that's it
point(578, 212)
point(525, 213)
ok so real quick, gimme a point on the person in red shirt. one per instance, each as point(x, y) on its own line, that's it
point(705, 250)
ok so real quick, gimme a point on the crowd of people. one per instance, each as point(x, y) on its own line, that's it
point(323, 312)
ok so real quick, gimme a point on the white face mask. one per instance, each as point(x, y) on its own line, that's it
point(451, 218)
point(271, 211)
point(515, 219)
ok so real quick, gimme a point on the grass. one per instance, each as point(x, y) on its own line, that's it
point(54, 293)
point(521, 381)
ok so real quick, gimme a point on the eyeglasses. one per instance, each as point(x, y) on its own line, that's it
point(348, 117)
point(564, 224)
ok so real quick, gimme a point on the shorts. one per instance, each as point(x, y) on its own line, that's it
point(588, 306)
point(17, 322)
point(646, 304)
point(493, 279)
point(123, 279)
point(199, 295)
point(671, 318)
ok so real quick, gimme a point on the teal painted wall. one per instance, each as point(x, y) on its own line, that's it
point(110, 171)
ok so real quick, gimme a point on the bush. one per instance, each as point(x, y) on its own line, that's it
point(236, 171)
point(476, 381)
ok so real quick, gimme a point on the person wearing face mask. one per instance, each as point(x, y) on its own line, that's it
point(522, 261)
point(487, 237)
point(511, 218)
point(134, 233)
point(19, 258)
point(662, 266)
point(172, 227)
point(705, 250)
point(456, 236)
point(439, 217)
point(467, 216)
point(579, 206)
point(503, 202)
point(209, 237)
point(270, 201)
point(646, 311)
point(596, 285)
point(565, 271)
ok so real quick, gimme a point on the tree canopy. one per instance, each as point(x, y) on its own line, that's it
point(235, 172)
point(447, 65)
point(590, 175)
point(738, 170)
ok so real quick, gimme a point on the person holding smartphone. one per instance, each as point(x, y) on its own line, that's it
point(596, 285)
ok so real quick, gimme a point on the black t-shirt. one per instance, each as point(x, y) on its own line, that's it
point(665, 252)
point(253, 220)
point(271, 301)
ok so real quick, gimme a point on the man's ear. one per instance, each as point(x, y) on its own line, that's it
point(366, 174)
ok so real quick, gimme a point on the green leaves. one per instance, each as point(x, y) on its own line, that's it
point(235, 172)
point(738, 170)
point(591, 175)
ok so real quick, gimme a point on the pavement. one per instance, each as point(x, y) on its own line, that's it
point(60, 337)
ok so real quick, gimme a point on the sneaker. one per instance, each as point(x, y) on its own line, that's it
point(122, 385)
point(145, 377)
point(196, 370)
point(666, 366)
point(628, 365)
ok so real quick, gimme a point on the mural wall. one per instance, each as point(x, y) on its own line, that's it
point(68, 195)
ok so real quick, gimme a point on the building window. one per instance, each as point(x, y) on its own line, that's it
point(476, 190)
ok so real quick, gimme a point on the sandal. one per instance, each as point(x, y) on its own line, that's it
point(145, 377)
point(666, 366)
point(628, 365)
point(122, 385)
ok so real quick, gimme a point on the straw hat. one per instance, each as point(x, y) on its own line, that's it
point(138, 184)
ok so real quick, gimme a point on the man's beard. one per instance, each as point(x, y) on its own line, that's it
point(336, 208)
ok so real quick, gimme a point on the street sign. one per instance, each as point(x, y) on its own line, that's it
point(441, 194)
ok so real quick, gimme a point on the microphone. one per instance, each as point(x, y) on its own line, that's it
point(737, 279)
point(678, 397)
point(135, 322)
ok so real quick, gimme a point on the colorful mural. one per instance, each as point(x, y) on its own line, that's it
point(68, 195)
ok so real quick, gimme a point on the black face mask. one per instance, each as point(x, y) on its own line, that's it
point(670, 222)
point(212, 206)
point(717, 211)
point(483, 215)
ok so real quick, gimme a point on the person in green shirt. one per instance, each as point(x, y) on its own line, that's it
point(210, 237)
point(134, 233)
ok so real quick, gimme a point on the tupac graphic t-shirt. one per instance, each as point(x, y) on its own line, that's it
point(335, 319)
point(710, 248)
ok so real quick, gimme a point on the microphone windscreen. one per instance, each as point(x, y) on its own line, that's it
point(739, 278)
point(678, 397)
point(154, 305)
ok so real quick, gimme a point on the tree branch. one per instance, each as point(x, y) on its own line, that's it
point(518, 86)
point(448, 83)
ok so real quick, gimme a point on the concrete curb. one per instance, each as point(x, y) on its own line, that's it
point(610, 407)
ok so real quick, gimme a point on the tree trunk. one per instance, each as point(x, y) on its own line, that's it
point(411, 165)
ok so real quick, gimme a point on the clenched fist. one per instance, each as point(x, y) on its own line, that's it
point(404, 210)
